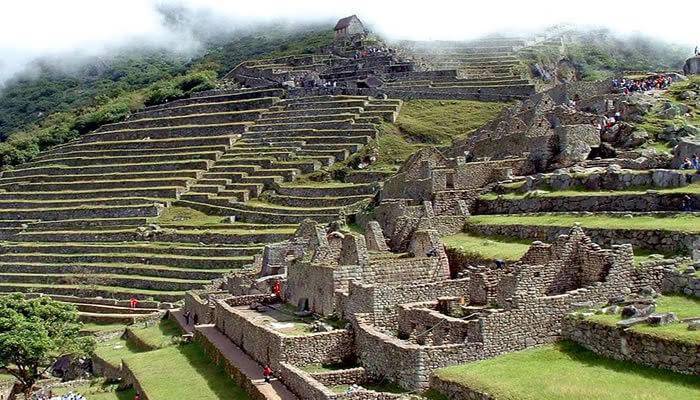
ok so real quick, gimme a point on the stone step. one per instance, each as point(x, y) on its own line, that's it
point(184, 120)
point(260, 215)
point(114, 280)
point(182, 174)
point(155, 248)
point(150, 144)
point(166, 133)
point(25, 265)
point(134, 152)
point(228, 237)
point(50, 214)
point(266, 119)
point(327, 191)
point(130, 159)
point(242, 95)
point(89, 223)
point(110, 168)
point(210, 107)
point(284, 113)
point(74, 203)
point(153, 193)
point(323, 104)
point(343, 124)
point(308, 201)
point(143, 184)
point(91, 291)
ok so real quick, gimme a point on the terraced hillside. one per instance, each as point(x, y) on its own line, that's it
point(96, 217)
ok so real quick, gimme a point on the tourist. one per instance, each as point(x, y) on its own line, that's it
point(686, 203)
point(695, 162)
point(137, 396)
point(267, 373)
point(687, 164)
point(134, 302)
point(187, 317)
point(696, 51)
point(277, 289)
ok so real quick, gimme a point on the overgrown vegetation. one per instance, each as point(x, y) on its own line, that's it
point(567, 371)
point(683, 306)
point(34, 333)
point(52, 106)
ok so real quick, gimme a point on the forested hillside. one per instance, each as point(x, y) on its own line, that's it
point(52, 104)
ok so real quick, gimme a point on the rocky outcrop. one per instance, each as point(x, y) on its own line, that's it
point(692, 66)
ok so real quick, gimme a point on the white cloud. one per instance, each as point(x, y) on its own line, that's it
point(31, 28)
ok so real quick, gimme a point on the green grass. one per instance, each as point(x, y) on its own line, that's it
point(167, 370)
point(439, 121)
point(177, 215)
point(566, 371)
point(182, 372)
point(683, 306)
point(680, 223)
point(157, 336)
point(487, 248)
point(691, 189)
point(101, 328)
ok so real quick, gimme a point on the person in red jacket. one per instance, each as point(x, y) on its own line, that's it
point(277, 289)
point(267, 373)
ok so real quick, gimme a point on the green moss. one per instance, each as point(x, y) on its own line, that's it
point(566, 371)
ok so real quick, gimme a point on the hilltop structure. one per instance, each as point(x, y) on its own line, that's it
point(348, 27)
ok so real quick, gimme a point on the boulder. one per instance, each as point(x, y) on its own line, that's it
point(662, 318)
point(687, 95)
point(685, 149)
point(637, 310)
point(668, 178)
point(575, 143)
point(672, 133)
point(671, 110)
point(634, 139)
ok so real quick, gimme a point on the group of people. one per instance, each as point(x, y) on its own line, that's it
point(372, 50)
point(67, 396)
point(691, 163)
point(627, 86)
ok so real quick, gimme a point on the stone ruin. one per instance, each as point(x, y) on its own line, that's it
point(401, 314)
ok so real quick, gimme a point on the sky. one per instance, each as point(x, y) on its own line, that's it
point(65, 28)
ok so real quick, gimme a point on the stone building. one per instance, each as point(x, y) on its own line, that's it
point(692, 66)
point(348, 27)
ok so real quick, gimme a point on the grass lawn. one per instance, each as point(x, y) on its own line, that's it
point(182, 372)
point(186, 216)
point(157, 336)
point(692, 189)
point(683, 306)
point(566, 371)
point(681, 223)
point(172, 371)
point(489, 248)
point(439, 121)
point(95, 328)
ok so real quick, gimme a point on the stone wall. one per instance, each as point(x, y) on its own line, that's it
point(620, 344)
point(652, 240)
point(268, 346)
point(455, 390)
point(595, 203)
point(407, 364)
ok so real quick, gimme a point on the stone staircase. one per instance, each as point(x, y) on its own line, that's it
point(294, 137)
point(74, 220)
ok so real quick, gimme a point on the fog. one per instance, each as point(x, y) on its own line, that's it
point(69, 30)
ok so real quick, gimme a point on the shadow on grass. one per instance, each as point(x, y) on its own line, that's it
point(585, 356)
point(213, 373)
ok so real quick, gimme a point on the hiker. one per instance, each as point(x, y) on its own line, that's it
point(696, 51)
point(686, 203)
point(133, 303)
point(277, 289)
point(187, 317)
point(267, 373)
point(137, 396)
point(695, 162)
point(195, 320)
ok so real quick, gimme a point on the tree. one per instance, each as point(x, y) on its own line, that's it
point(33, 334)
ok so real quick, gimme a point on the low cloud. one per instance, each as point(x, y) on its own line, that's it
point(68, 30)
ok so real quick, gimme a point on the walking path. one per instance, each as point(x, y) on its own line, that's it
point(248, 367)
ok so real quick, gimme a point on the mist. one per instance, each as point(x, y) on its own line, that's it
point(69, 31)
